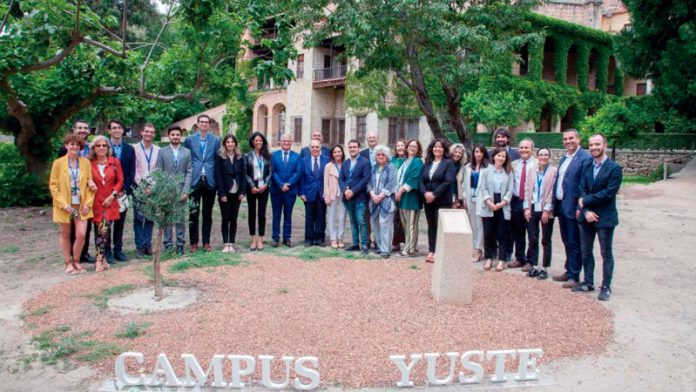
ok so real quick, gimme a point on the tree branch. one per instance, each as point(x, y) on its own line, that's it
point(152, 48)
point(60, 118)
point(7, 15)
point(121, 54)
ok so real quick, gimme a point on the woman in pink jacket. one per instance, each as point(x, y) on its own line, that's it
point(336, 211)
point(538, 208)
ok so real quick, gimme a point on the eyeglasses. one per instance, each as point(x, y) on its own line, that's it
point(101, 146)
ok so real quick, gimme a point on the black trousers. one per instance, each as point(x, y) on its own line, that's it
point(202, 194)
point(546, 234)
point(495, 233)
point(431, 216)
point(229, 211)
point(315, 220)
point(85, 248)
point(257, 212)
point(517, 237)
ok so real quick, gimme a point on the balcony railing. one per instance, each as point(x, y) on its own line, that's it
point(338, 72)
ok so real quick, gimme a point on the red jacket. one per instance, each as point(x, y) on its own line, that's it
point(111, 182)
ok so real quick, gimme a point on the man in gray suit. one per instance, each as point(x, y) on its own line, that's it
point(176, 159)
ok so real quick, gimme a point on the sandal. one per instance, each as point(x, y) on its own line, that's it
point(500, 266)
point(430, 258)
point(79, 268)
point(488, 265)
point(69, 269)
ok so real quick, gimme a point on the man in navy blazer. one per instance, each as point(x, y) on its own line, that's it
point(203, 146)
point(325, 150)
point(566, 204)
point(284, 186)
point(312, 193)
point(125, 153)
point(353, 180)
point(600, 181)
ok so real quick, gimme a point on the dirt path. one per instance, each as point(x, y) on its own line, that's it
point(654, 316)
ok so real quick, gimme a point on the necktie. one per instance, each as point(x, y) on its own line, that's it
point(523, 179)
point(316, 166)
point(285, 157)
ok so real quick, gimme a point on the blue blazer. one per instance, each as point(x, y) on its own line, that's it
point(128, 166)
point(571, 184)
point(598, 194)
point(325, 151)
point(312, 184)
point(200, 159)
point(285, 173)
point(358, 180)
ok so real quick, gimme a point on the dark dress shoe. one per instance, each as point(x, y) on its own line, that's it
point(515, 264)
point(604, 293)
point(307, 244)
point(88, 259)
point(365, 251)
point(194, 248)
point(543, 275)
point(287, 243)
point(582, 288)
point(275, 243)
point(120, 257)
point(384, 255)
point(352, 248)
point(569, 284)
point(561, 278)
point(321, 244)
point(147, 251)
point(533, 273)
point(180, 250)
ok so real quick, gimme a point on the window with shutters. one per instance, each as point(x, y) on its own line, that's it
point(297, 129)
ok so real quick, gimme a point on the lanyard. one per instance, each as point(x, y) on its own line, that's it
point(74, 173)
point(148, 158)
point(202, 146)
point(84, 152)
point(259, 163)
point(540, 180)
point(351, 167)
point(402, 171)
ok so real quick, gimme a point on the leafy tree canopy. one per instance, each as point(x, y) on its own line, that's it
point(661, 45)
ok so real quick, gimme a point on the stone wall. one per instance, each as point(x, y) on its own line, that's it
point(637, 162)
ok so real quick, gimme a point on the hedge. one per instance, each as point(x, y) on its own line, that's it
point(19, 188)
point(647, 141)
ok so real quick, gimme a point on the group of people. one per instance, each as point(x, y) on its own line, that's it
point(511, 196)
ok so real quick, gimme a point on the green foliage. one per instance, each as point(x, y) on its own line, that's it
point(101, 300)
point(495, 108)
point(132, 330)
point(562, 27)
point(636, 179)
point(536, 60)
point(542, 139)
point(602, 69)
point(648, 112)
point(159, 199)
point(20, 188)
point(204, 260)
point(582, 64)
point(560, 57)
point(59, 346)
point(662, 44)
point(662, 141)
point(659, 173)
point(613, 120)
point(240, 107)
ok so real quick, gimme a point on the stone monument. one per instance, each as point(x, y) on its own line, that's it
point(453, 272)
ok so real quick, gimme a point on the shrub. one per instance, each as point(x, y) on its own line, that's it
point(19, 188)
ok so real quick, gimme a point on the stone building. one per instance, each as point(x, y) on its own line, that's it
point(315, 100)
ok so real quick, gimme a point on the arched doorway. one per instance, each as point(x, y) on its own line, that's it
point(592, 76)
point(277, 123)
point(547, 71)
point(571, 67)
point(546, 119)
point(611, 76)
point(262, 119)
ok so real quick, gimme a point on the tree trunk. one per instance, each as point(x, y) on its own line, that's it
point(454, 112)
point(156, 265)
point(417, 84)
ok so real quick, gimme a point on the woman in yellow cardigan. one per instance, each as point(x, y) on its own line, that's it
point(70, 181)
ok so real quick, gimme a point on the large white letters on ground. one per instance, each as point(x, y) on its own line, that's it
point(164, 367)
point(122, 374)
point(527, 369)
point(400, 361)
point(191, 364)
point(477, 368)
point(311, 374)
point(266, 378)
point(432, 368)
point(238, 372)
point(499, 356)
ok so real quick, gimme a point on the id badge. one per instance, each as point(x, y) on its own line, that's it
point(75, 200)
point(261, 183)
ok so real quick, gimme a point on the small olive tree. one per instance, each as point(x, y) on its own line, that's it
point(159, 199)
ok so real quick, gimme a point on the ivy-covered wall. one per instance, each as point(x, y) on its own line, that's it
point(557, 94)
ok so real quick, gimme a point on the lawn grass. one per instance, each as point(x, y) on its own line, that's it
point(631, 179)
point(205, 260)
point(132, 330)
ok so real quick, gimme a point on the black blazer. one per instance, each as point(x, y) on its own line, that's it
point(599, 194)
point(441, 184)
point(249, 162)
point(226, 173)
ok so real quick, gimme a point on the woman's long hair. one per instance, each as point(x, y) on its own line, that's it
point(264, 149)
point(222, 152)
point(484, 161)
point(429, 157)
point(343, 153)
point(506, 165)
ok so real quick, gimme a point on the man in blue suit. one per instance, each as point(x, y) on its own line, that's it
point(312, 193)
point(566, 204)
point(204, 147)
point(325, 150)
point(600, 181)
point(284, 185)
point(353, 180)
point(125, 153)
